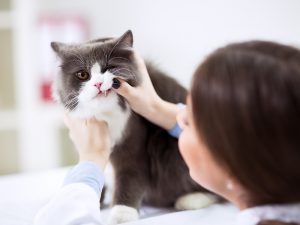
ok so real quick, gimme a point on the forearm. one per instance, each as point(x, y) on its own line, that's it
point(163, 114)
point(99, 158)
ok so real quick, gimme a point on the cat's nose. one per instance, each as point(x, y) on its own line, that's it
point(98, 85)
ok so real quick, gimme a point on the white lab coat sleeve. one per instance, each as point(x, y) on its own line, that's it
point(77, 202)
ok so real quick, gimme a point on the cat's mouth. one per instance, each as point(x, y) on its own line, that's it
point(103, 93)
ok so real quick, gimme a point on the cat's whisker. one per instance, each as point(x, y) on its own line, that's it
point(72, 105)
point(79, 63)
point(70, 101)
point(94, 55)
point(67, 101)
point(132, 75)
point(126, 75)
point(116, 70)
point(111, 59)
point(78, 58)
point(73, 93)
point(123, 68)
point(113, 48)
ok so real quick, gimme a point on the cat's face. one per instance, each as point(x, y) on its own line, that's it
point(84, 83)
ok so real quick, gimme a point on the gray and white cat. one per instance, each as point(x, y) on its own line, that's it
point(148, 167)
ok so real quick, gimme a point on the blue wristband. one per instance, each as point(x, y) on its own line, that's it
point(176, 130)
point(88, 173)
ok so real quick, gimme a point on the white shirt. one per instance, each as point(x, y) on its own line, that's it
point(77, 202)
point(289, 213)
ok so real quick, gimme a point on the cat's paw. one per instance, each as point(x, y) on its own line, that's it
point(122, 214)
point(195, 200)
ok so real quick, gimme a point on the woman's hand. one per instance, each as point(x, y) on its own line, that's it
point(91, 139)
point(144, 100)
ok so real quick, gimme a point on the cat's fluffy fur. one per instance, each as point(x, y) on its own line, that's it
point(147, 164)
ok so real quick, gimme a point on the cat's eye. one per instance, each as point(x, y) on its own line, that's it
point(82, 75)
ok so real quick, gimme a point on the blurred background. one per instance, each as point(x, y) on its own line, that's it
point(175, 35)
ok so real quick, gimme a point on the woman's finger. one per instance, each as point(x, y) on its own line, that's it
point(124, 89)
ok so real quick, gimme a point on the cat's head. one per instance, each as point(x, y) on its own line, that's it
point(84, 82)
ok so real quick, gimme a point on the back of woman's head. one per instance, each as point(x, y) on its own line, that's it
point(246, 106)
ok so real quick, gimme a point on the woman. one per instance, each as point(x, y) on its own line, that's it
point(240, 130)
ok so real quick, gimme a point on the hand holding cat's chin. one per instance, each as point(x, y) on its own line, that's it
point(91, 139)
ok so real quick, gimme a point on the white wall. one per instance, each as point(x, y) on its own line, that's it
point(174, 34)
point(178, 34)
point(36, 125)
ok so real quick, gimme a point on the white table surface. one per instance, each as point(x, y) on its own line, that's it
point(22, 195)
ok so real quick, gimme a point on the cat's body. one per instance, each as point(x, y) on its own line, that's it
point(146, 161)
point(149, 157)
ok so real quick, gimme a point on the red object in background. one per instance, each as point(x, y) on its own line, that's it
point(46, 90)
point(69, 29)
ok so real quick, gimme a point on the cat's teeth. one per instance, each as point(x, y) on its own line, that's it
point(105, 93)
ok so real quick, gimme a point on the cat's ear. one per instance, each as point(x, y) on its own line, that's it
point(126, 40)
point(59, 48)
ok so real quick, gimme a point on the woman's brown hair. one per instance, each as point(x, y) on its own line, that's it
point(246, 106)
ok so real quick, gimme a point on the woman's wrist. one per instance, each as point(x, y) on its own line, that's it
point(163, 113)
point(100, 159)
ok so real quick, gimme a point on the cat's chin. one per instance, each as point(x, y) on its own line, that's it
point(97, 106)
